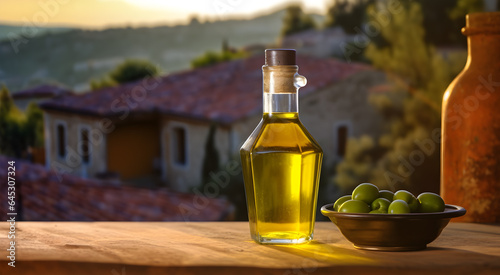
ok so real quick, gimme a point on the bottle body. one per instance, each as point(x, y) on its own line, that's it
point(470, 156)
point(281, 164)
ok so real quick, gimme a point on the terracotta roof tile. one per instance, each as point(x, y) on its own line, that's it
point(41, 92)
point(224, 92)
point(44, 198)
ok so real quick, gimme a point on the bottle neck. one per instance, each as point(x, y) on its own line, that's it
point(483, 51)
point(281, 103)
point(483, 40)
point(281, 84)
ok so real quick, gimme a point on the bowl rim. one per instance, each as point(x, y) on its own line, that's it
point(451, 211)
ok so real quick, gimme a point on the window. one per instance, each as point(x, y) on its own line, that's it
point(341, 132)
point(84, 145)
point(341, 140)
point(179, 145)
point(61, 140)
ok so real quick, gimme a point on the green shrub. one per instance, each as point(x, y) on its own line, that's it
point(211, 58)
point(128, 71)
point(296, 21)
point(19, 130)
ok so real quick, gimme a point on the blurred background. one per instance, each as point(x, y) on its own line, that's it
point(136, 110)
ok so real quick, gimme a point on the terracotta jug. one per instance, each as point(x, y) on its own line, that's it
point(470, 151)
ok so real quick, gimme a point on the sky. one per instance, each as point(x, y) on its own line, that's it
point(106, 13)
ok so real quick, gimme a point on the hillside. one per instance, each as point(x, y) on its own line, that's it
point(5, 30)
point(75, 57)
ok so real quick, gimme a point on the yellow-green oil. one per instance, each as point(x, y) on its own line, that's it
point(281, 165)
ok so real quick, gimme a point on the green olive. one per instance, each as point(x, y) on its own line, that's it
point(430, 202)
point(354, 206)
point(340, 201)
point(366, 192)
point(398, 207)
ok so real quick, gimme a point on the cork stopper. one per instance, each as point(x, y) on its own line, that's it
point(276, 57)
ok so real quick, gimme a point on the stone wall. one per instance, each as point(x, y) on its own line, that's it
point(185, 177)
point(72, 163)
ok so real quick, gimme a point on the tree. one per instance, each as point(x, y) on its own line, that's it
point(457, 15)
point(211, 57)
point(132, 70)
point(411, 108)
point(194, 20)
point(444, 19)
point(12, 140)
point(296, 21)
point(5, 107)
point(104, 82)
point(347, 14)
point(128, 71)
point(33, 127)
point(211, 158)
point(6, 102)
point(440, 28)
point(464, 7)
point(19, 130)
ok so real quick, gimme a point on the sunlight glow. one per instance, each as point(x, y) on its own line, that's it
point(153, 3)
point(105, 13)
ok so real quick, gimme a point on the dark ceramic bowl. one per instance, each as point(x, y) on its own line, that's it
point(392, 232)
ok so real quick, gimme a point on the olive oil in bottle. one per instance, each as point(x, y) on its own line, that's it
point(281, 161)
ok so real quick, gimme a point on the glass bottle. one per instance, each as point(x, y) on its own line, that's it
point(281, 161)
point(470, 152)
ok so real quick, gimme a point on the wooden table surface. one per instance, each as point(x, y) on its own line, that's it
point(125, 248)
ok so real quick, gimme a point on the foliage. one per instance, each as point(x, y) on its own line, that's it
point(104, 82)
point(211, 158)
point(211, 58)
point(6, 105)
point(347, 14)
point(464, 7)
point(6, 102)
point(235, 193)
point(234, 189)
point(351, 52)
point(444, 19)
point(10, 125)
point(357, 164)
point(18, 131)
point(128, 71)
point(194, 20)
point(34, 126)
point(408, 55)
point(411, 108)
point(132, 70)
point(295, 20)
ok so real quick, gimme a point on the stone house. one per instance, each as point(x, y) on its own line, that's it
point(158, 127)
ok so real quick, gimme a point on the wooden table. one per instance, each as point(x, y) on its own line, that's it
point(126, 248)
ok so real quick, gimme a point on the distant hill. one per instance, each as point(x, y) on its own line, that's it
point(5, 30)
point(74, 57)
